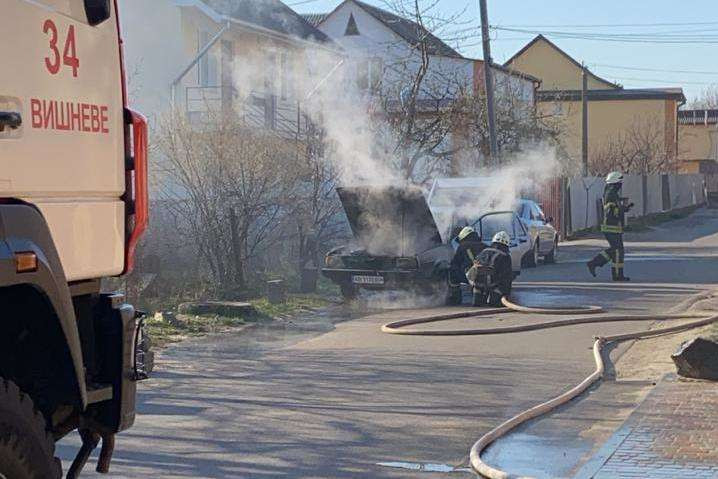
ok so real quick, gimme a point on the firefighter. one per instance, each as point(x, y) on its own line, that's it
point(470, 245)
point(614, 219)
point(492, 273)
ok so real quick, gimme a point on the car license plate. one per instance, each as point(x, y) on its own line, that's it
point(367, 279)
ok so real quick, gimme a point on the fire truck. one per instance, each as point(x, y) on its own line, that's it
point(73, 206)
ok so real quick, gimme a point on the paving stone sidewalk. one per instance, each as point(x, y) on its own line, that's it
point(672, 434)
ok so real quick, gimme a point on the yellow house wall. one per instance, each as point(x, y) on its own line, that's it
point(555, 70)
point(697, 142)
point(607, 121)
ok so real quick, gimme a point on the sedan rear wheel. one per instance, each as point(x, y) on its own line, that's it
point(533, 256)
point(553, 255)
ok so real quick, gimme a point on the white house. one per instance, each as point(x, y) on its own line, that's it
point(381, 48)
point(246, 55)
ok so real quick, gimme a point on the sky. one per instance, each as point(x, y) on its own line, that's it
point(649, 63)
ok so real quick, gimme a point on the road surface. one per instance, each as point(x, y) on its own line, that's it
point(327, 397)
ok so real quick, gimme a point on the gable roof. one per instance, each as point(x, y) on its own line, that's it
point(410, 31)
point(270, 14)
point(564, 54)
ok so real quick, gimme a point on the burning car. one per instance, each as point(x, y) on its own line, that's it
point(397, 244)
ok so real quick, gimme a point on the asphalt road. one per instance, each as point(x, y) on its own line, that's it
point(327, 397)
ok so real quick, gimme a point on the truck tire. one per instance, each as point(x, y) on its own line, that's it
point(27, 451)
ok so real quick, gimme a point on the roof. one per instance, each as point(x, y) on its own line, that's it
point(566, 55)
point(270, 14)
point(698, 117)
point(315, 18)
point(512, 71)
point(410, 31)
point(613, 94)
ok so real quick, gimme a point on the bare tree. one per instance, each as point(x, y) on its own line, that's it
point(437, 119)
point(640, 149)
point(230, 188)
point(707, 99)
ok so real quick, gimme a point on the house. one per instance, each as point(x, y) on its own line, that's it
point(618, 118)
point(699, 141)
point(195, 56)
point(381, 48)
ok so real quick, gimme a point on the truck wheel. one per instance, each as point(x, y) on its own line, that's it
point(27, 451)
point(349, 291)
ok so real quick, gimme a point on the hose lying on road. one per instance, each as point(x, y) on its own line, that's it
point(401, 327)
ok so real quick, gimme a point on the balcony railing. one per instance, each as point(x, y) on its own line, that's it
point(698, 117)
point(258, 110)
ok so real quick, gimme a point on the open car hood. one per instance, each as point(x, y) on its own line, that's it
point(390, 221)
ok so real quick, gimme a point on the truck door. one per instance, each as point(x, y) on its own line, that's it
point(63, 77)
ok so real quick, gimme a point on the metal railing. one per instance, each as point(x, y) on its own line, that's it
point(698, 117)
point(258, 110)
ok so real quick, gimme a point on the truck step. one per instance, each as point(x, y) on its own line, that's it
point(98, 393)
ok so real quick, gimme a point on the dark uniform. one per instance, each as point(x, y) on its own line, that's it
point(468, 250)
point(614, 220)
point(492, 276)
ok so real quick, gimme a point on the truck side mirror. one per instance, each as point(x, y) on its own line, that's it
point(97, 11)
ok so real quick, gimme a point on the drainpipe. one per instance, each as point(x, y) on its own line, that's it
point(196, 60)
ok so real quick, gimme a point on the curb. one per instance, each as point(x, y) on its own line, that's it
point(599, 459)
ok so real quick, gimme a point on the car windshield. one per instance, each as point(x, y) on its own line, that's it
point(492, 224)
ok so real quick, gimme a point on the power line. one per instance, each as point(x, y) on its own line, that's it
point(656, 38)
point(303, 2)
point(613, 25)
point(664, 81)
point(659, 70)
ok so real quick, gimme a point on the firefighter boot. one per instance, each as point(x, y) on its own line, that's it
point(619, 276)
point(598, 261)
point(453, 298)
point(479, 298)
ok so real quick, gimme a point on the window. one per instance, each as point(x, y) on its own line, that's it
point(493, 223)
point(207, 71)
point(369, 73)
point(285, 79)
point(352, 28)
point(270, 74)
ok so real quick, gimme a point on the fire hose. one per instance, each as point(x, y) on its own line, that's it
point(591, 312)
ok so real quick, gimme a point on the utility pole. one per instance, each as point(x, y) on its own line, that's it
point(489, 82)
point(584, 121)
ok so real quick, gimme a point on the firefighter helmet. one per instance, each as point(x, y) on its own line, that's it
point(614, 177)
point(502, 237)
point(465, 232)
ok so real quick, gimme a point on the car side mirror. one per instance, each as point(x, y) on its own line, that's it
point(97, 11)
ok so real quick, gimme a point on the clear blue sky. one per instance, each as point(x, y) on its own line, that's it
point(608, 59)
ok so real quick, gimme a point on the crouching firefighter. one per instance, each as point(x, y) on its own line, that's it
point(614, 220)
point(470, 246)
point(492, 273)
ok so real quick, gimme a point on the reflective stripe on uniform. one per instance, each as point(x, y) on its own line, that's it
point(606, 255)
point(470, 255)
point(611, 228)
